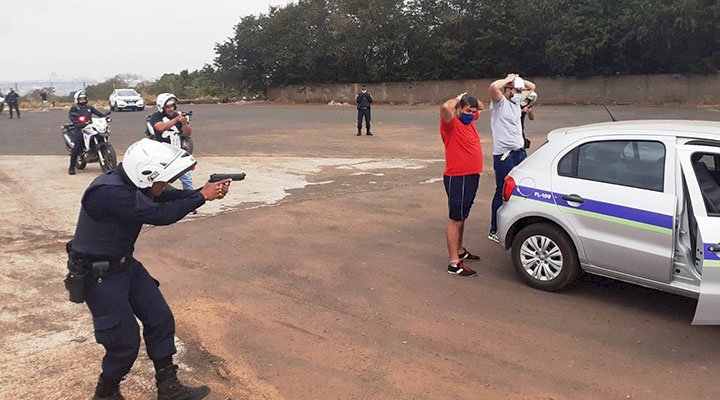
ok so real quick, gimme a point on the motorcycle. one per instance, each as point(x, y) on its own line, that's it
point(177, 138)
point(97, 145)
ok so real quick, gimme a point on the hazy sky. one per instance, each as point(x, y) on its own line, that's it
point(69, 39)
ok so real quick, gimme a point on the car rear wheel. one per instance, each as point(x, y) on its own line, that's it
point(544, 257)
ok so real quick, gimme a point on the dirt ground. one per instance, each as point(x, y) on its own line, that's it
point(322, 276)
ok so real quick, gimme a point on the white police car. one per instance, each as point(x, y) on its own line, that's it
point(637, 201)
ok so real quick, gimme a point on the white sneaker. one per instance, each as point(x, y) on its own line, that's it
point(493, 237)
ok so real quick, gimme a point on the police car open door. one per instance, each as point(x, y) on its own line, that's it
point(701, 172)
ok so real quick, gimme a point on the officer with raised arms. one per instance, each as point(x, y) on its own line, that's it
point(114, 285)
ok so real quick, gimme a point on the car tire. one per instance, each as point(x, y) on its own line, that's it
point(141, 108)
point(545, 257)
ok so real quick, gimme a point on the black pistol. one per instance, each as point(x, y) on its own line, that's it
point(220, 177)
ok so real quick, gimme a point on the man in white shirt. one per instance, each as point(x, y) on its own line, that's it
point(508, 143)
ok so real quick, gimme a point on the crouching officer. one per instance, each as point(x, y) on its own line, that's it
point(80, 116)
point(114, 285)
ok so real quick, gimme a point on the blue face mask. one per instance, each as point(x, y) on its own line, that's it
point(466, 119)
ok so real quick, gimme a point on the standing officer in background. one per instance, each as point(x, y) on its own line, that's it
point(527, 111)
point(80, 115)
point(12, 101)
point(114, 285)
point(364, 101)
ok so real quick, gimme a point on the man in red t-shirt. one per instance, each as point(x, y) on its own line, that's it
point(463, 165)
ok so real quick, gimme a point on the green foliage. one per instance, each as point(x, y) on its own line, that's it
point(329, 41)
point(197, 84)
point(395, 40)
point(102, 91)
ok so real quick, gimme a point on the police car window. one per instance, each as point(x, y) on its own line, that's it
point(709, 161)
point(704, 166)
point(568, 164)
point(638, 164)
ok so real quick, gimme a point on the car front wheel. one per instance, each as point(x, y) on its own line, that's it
point(545, 257)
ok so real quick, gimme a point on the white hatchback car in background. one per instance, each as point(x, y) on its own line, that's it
point(637, 201)
point(123, 99)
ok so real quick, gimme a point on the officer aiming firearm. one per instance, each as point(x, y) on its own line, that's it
point(104, 273)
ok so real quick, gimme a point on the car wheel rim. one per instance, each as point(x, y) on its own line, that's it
point(541, 258)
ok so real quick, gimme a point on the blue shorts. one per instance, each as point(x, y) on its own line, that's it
point(461, 192)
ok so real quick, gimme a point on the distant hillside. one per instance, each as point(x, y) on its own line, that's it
point(61, 88)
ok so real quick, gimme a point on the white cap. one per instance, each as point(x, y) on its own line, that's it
point(519, 83)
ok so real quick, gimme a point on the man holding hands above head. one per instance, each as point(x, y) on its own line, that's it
point(463, 164)
point(506, 96)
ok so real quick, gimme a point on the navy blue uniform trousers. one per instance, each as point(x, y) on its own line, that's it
point(78, 146)
point(366, 115)
point(114, 304)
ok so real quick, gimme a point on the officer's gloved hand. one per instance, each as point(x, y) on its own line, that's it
point(215, 190)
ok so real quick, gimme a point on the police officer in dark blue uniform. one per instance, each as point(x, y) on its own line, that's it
point(114, 285)
point(13, 103)
point(80, 115)
point(364, 102)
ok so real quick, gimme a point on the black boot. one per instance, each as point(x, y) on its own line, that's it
point(71, 171)
point(359, 133)
point(170, 388)
point(107, 389)
point(369, 133)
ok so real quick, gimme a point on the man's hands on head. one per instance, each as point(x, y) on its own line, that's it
point(497, 87)
point(447, 111)
point(216, 190)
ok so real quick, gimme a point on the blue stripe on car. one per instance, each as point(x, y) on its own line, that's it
point(599, 207)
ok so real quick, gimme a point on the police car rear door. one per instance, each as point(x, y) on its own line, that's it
point(701, 170)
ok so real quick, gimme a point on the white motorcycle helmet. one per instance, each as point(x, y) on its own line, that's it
point(532, 98)
point(148, 161)
point(165, 99)
point(80, 94)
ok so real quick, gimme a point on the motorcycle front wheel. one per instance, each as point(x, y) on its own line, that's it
point(108, 160)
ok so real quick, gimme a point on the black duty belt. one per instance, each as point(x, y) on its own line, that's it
point(100, 269)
